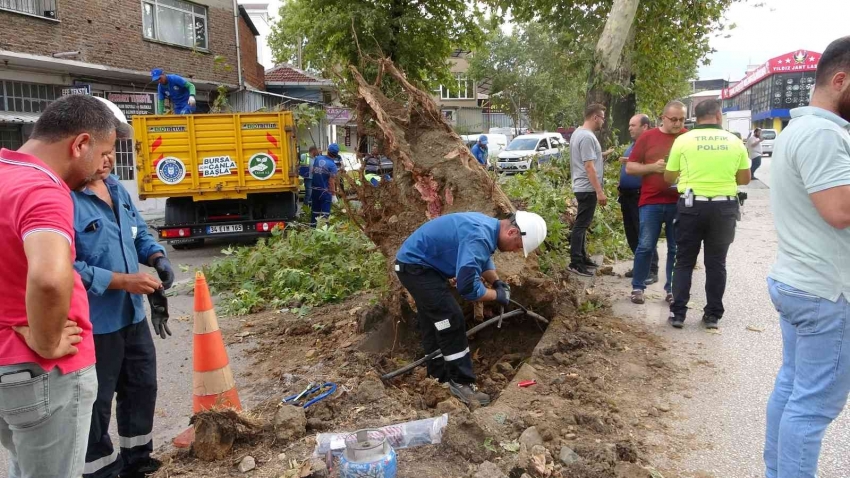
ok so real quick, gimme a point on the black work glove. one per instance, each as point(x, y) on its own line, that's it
point(159, 313)
point(503, 294)
point(500, 284)
point(164, 271)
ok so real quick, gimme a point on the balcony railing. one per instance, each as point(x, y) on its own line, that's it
point(39, 8)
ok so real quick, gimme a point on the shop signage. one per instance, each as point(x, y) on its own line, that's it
point(131, 103)
point(338, 116)
point(76, 90)
point(795, 61)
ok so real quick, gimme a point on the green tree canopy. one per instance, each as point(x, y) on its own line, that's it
point(418, 35)
point(528, 70)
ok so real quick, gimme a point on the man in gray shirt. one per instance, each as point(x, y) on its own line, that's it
point(809, 283)
point(586, 168)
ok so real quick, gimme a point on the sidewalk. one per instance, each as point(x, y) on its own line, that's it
point(717, 425)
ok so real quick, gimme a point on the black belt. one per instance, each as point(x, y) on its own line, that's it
point(415, 269)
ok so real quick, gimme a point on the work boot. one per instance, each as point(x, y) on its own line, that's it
point(588, 262)
point(580, 270)
point(677, 321)
point(141, 469)
point(629, 273)
point(652, 279)
point(467, 392)
point(710, 321)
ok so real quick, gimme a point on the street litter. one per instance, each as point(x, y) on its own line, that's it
point(526, 383)
point(399, 436)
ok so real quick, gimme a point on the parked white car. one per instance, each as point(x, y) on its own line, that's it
point(768, 136)
point(528, 151)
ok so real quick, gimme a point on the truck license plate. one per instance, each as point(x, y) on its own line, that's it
point(224, 229)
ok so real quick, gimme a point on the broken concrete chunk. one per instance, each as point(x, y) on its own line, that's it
point(568, 456)
point(489, 470)
point(247, 464)
point(290, 423)
point(530, 437)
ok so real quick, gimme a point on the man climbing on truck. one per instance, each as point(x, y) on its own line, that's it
point(179, 91)
point(460, 246)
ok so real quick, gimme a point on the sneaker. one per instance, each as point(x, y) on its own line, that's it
point(637, 297)
point(467, 393)
point(630, 273)
point(580, 270)
point(710, 321)
point(589, 263)
point(677, 321)
point(141, 469)
point(652, 279)
point(669, 298)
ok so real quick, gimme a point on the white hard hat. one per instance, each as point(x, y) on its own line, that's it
point(533, 229)
point(124, 131)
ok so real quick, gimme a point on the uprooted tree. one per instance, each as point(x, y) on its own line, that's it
point(434, 173)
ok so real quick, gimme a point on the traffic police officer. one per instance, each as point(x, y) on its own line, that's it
point(459, 246)
point(709, 164)
point(112, 240)
point(180, 91)
point(324, 183)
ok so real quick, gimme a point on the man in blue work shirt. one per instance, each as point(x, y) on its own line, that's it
point(177, 89)
point(459, 246)
point(629, 197)
point(112, 239)
point(480, 150)
point(324, 183)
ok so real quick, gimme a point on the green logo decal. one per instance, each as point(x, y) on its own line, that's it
point(261, 166)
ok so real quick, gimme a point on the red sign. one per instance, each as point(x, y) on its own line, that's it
point(800, 60)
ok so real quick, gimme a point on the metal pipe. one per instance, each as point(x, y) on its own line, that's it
point(238, 46)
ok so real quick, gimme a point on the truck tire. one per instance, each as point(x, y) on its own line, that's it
point(178, 212)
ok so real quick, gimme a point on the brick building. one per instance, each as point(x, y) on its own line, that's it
point(50, 48)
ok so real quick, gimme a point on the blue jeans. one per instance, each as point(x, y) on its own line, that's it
point(812, 384)
point(652, 216)
point(308, 191)
point(44, 420)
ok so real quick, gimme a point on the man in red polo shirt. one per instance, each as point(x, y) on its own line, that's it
point(47, 377)
point(658, 199)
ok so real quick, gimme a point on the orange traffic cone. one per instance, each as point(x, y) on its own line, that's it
point(213, 384)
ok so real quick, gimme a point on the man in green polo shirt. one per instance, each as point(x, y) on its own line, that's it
point(709, 163)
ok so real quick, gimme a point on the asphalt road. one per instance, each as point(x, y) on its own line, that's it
point(716, 426)
point(174, 354)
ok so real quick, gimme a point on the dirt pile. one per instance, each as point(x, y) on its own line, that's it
point(598, 387)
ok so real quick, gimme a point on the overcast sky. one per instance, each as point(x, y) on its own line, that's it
point(778, 27)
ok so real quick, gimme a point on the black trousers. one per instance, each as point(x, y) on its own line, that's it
point(629, 200)
point(712, 224)
point(126, 369)
point(441, 323)
point(578, 237)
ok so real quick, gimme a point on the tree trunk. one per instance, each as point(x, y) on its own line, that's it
point(609, 51)
point(434, 174)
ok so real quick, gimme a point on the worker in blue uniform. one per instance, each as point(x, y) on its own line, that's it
point(324, 183)
point(480, 150)
point(111, 240)
point(178, 90)
point(460, 246)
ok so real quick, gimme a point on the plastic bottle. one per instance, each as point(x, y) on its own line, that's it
point(402, 435)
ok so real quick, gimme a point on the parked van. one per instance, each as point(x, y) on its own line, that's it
point(528, 151)
point(768, 136)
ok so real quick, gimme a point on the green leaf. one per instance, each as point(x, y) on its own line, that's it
point(512, 446)
point(488, 444)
